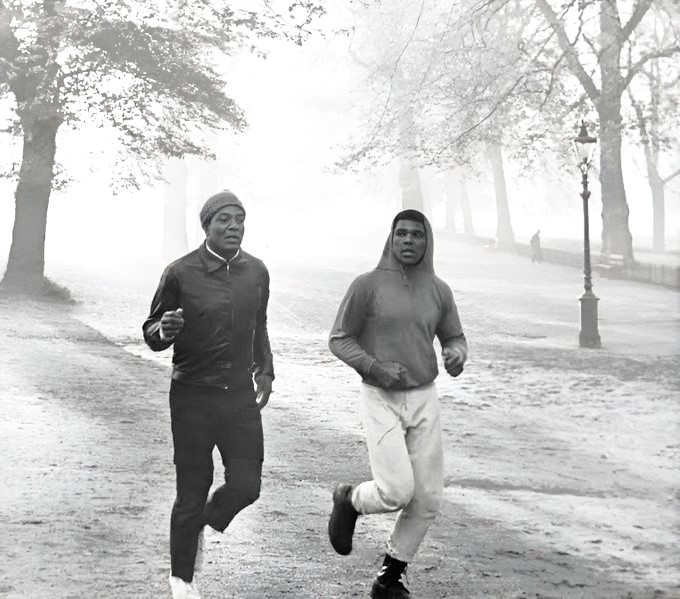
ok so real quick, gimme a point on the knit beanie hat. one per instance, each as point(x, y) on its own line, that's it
point(215, 203)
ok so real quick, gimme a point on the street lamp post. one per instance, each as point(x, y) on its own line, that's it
point(589, 336)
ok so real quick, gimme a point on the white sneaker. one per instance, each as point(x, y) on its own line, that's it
point(194, 593)
point(180, 588)
point(198, 563)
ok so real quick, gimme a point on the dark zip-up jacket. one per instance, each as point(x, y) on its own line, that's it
point(224, 340)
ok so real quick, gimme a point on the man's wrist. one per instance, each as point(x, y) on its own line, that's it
point(369, 370)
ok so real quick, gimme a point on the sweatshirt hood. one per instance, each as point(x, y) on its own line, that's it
point(388, 261)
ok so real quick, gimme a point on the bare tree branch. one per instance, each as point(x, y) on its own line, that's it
point(642, 126)
point(639, 12)
point(637, 67)
point(551, 81)
point(670, 177)
point(591, 45)
point(572, 56)
point(481, 121)
point(378, 125)
point(434, 52)
point(482, 8)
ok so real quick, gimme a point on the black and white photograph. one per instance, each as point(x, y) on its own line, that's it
point(317, 299)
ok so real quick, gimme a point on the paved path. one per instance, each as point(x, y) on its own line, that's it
point(562, 474)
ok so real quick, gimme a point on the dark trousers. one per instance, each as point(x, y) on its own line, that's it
point(202, 418)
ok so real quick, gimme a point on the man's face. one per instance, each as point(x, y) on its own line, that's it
point(409, 242)
point(225, 230)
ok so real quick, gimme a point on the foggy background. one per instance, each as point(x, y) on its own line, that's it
point(561, 461)
point(304, 109)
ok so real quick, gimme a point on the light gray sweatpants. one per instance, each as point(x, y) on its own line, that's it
point(404, 437)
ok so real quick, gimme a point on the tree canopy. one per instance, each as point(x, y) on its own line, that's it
point(522, 73)
point(150, 72)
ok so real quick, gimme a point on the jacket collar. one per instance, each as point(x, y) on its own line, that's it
point(212, 262)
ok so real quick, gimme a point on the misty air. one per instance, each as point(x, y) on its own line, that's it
point(310, 299)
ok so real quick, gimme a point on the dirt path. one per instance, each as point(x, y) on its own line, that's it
point(561, 469)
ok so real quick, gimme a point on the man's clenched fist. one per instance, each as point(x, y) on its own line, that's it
point(171, 323)
point(453, 361)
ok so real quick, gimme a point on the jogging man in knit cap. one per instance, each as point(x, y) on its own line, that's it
point(385, 330)
point(212, 306)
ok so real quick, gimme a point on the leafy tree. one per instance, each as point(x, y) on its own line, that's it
point(595, 55)
point(439, 74)
point(150, 71)
point(521, 74)
point(655, 120)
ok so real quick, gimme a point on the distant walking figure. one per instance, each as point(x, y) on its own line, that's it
point(535, 243)
point(384, 329)
point(212, 305)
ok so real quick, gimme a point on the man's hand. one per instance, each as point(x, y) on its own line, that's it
point(388, 374)
point(453, 361)
point(263, 390)
point(171, 323)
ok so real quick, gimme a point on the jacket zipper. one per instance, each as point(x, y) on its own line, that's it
point(231, 303)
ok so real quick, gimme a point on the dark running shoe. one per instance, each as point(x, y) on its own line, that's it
point(343, 519)
point(395, 590)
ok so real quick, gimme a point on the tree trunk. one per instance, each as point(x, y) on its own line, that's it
point(504, 234)
point(616, 237)
point(659, 208)
point(451, 201)
point(427, 192)
point(175, 210)
point(458, 197)
point(649, 127)
point(411, 192)
point(468, 227)
point(409, 176)
point(656, 183)
point(210, 174)
point(26, 262)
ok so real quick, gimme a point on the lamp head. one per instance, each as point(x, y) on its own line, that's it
point(584, 146)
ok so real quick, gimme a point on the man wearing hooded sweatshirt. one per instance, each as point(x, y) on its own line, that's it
point(212, 305)
point(385, 330)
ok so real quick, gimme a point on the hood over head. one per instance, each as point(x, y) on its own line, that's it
point(388, 261)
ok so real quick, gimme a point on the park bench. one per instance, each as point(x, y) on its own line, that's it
point(611, 265)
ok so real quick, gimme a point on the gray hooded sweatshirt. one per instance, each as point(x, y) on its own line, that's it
point(392, 314)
